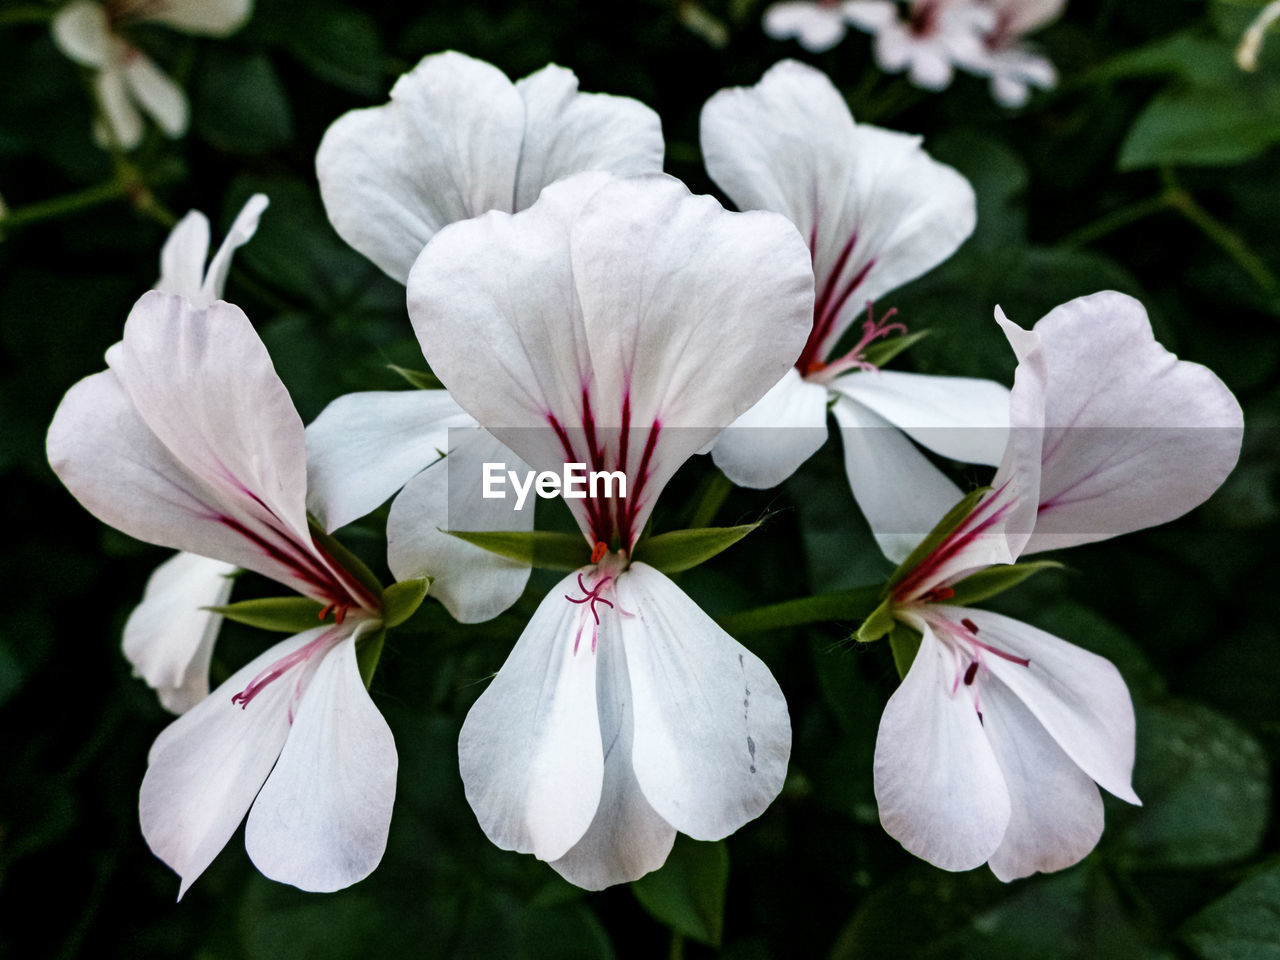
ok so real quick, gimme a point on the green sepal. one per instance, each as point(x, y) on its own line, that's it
point(880, 353)
point(418, 379)
point(401, 600)
point(878, 624)
point(681, 550)
point(853, 604)
point(369, 652)
point(955, 516)
point(284, 614)
point(539, 548)
point(904, 641)
point(353, 564)
point(993, 580)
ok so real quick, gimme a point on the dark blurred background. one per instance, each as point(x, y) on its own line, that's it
point(1151, 170)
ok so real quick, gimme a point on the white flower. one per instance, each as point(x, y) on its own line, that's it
point(990, 750)
point(458, 138)
point(1013, 66)
point(817, 25)
point(877, 211)
point(189, 440)
point(126, 78)
point(591, 328)
point(169, 636)
point(936, 37)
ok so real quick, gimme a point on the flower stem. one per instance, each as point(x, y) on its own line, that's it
point(16, 16)
point(1230, 242)
point(677, 946)
point(64, 205)
point(1108, 223)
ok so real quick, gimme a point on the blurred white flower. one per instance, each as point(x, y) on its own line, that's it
point(1013, 66)
point(1251, 43)
point(127, 83)
point(817, 25)
point(935, 37)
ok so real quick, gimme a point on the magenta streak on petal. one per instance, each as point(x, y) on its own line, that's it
point(282, 666)
point(594, 518)
point(632, 508)
point(969, 530)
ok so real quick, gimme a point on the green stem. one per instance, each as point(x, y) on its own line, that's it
point(1092, 232)
point(854, 604)
point(717, 489)
point(1230, 242)
point(677, 946)
point(64, 205)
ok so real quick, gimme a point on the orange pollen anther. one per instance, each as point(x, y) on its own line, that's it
point(598, 551)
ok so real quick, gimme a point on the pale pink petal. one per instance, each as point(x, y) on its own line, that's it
point(242, 230)
point(183, 256)
point(162, 99)
point(817, 27)
point(214, 18)
point(870, 15)
point(121, 121)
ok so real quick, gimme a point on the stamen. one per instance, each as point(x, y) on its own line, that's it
point(969, 625)
point(937, 595)
point(282, 666)
point(591, 597)
point(872, 330)
point(598, 551)
point(971, 673)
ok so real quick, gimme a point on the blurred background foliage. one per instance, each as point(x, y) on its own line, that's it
point(1152, 169)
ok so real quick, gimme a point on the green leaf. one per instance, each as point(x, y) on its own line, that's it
point(854, 604)
point(1243, 925)
point(539, 548)
point(904, 641)
point(284, 614)
point(418, 379)
point(987, 583)
point(401, 600)
point(955, 516)
point(878, 624)
point(368, 652)
point(685, 549)
point(883, 351)
point(338, 44)
point(688, 892)
point(240, 105)
point(1203, 126)
point(353, 564)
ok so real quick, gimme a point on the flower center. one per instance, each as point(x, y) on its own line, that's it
point(970, 655)
point(872, 330)
point(306, 658)
point(607, 570)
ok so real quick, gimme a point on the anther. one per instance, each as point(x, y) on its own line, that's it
point(598, 551)
point(970, 673)
point(969, 625)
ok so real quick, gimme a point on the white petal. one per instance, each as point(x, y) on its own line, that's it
point(1057, 815)
point(567, 132)
point(183, 256)
point(530, 752)
point(123, 121)
point(959, 417)
point(158, 95)
point(168, 638)
point(1133, 437)
point(1079, 697)
point(1022, 16)
point(474, 584)
point(214, 18)
point(815, 26)
point(870, 15)
point(205, 768)
point(242, 230)
point(712, 734)
point(876, 209)
point(937, 782)
point(627, 838)
point(1009, 91)
point(768, 443)
point(364, 447)
point(930, 67)
point(444, 149)
point(902, 494)
point(81, 32)
point(321, 819)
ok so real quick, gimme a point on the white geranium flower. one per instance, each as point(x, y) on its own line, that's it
point(189, 440)
point(876, 211)
point(935, 37)
point(591, 328)
point(817, 25)
point(990, 750)
point(169, 636)
point(1015, 67)
point(127, 81)
point(458, 138)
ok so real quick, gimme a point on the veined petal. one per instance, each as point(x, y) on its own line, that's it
point(1079, 697)
point(168, 637)
point(1057, 815)
point(204, 384)
point(530, 752)
point(567, 132)
point(898, 490)
point(815, 26)
point(162, 99)
point(320, 821)
point(959, 417)
point(206, 767)
point(712, 735)
point(182, 258)
point(627, 838)
point(1133, 437)
point(474, 584)
point(123, 122)
point(242, 230)
point(214, 18)
point(364, 447)
point(81, 32)
point(768, 443)
point(937, 781)
point(876, 209)
point(445, 148)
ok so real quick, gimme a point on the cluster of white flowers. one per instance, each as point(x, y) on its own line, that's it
point(581, 307)
point(930, 38)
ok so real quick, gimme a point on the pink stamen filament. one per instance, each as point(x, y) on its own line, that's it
point(872, 330)
point(280, 667)
point(591, 597)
